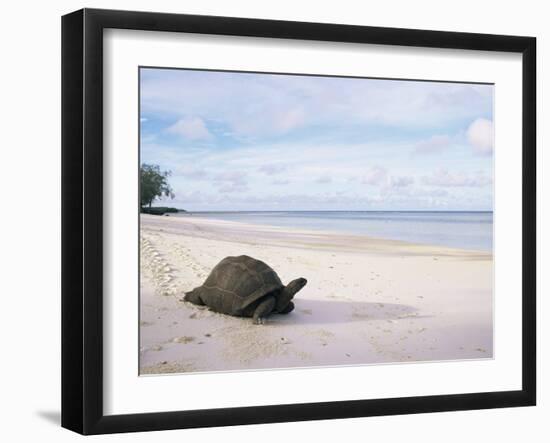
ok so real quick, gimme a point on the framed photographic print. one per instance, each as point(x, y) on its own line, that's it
point(268, 221)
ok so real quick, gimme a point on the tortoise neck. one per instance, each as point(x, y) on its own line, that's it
point(288, 293)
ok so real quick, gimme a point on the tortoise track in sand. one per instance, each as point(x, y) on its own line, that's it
point(172, 267)
point(156, 268)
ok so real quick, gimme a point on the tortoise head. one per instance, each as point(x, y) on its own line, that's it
point(295, 285)
point(288, 293)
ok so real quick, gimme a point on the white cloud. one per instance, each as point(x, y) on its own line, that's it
point(401, 181)
point(280, 182)
point(231, 181)
point(192, 173)
point(289, 198)
point(265, 119)
point(272, 169)
point(436, 143)
point(288, 120)
point(191, 128)
point(324, 179)
point(252, 105)
point(238, 178)
point(231, 176)
point(232, 188)
point(480, 136)
point(376, 175)
point(268, 201)
point(442, 177)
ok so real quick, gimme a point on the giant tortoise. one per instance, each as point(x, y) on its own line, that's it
point(245, 287)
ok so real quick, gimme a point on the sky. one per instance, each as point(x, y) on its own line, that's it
point(251, 142)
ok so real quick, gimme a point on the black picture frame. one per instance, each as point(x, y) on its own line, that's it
point(82, 215)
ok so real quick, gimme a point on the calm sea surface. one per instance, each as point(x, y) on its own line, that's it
point(467, 230)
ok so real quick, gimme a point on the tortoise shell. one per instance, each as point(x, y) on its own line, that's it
point(237, 282)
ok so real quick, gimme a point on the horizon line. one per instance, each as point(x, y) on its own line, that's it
point(334, 210)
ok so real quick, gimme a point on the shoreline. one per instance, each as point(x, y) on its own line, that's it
point(367, 300)
point(334, 239)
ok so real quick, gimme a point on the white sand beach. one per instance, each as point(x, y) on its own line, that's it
point(367, 300)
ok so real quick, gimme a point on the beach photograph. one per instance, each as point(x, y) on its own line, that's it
point(306, 221)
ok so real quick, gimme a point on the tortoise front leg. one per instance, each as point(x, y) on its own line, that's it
point(289, 308)
point(263, 310)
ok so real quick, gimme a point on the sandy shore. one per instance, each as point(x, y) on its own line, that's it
point(367, 300)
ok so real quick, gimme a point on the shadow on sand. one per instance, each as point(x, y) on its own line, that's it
point(343, 311)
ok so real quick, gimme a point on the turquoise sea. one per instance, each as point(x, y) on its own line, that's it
point(466, 230)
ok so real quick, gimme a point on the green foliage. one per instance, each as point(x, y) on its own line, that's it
point(153, 183)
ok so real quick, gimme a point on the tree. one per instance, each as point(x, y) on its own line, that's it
point(153, 183)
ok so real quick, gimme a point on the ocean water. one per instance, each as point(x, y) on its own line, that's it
point(466, 230)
